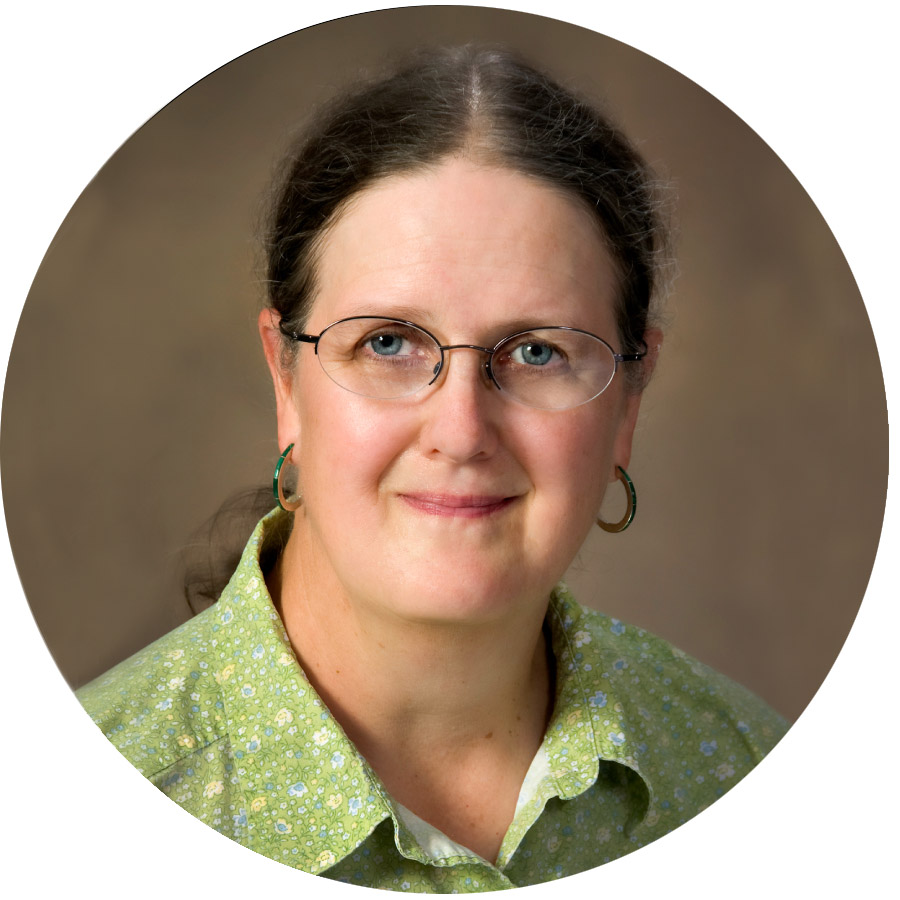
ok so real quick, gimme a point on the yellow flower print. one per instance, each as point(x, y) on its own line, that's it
point(175, 654)
point(285, 659)
point(283, 717)
point(252, 585)
point(176, 684)
point(602, 835)
point(581, 638)
point(321, 736)
point(334, 801)
point(257, 804)
point(185, 740)
point(213, 788)
point(724, 770)
point(651, 818)
point(283, 827)
point(225, 674)
point(325, 858)
point(553, 843)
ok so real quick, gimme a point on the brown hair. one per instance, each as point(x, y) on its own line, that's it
point(489, 105)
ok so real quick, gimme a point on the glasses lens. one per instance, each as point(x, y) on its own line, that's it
point(378, 357)
point(553, 368)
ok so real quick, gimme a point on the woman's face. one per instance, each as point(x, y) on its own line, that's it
point(455, 503)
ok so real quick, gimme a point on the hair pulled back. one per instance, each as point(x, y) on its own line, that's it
point(492, 107)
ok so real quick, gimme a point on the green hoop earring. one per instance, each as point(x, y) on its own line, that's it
point(288, 502)
point(616, 527)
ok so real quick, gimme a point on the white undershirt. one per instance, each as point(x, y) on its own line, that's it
point(436, 845)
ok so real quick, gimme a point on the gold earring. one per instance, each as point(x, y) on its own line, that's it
point(291, 500)
point(615, 528)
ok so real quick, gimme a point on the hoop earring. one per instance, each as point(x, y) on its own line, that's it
point(291, 501)
point(616, 527)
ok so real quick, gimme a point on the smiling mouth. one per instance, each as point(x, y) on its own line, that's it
point(458, 506)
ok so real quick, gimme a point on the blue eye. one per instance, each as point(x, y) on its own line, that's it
point(533, 353)
point(386, 344)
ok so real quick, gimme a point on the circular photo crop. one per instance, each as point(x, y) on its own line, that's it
point(444, 450)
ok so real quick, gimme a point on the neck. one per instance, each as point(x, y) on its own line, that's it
point(392, 681)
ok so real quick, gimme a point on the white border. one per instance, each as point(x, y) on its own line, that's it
point(818, 86)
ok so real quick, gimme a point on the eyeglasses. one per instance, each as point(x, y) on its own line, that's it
point(548, 368)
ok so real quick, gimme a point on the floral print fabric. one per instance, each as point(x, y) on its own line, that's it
point(219, 715)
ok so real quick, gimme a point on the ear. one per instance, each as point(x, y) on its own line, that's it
point(653, 338)
point(282, 378)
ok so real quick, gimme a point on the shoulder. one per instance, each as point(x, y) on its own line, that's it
point(664, 690)
point(164, 703)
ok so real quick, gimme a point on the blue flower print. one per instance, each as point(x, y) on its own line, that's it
point(337, 760)
point(354, 804)
point(743, 727)
point(617, 739)
point(297, 790)
point(707, 748)
point(165, 704)
point(598, 700)
point(617, 627)
point(258, 651)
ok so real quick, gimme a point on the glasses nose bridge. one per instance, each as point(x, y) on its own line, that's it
point(486, 365)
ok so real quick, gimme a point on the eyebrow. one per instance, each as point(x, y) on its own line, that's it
point(418, 316)
point(413, 314)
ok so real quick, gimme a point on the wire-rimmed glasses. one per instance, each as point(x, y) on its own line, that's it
point(553, 367)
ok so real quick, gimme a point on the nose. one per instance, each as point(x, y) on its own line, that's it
point(460, 415)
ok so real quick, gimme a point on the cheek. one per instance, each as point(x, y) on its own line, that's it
point(348, 444)
point(563, 465)
point(580, 458)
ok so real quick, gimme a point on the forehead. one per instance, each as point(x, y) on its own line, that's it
point(463, 244)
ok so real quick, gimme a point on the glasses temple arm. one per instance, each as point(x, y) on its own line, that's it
point(299, 336)
point(632, 357)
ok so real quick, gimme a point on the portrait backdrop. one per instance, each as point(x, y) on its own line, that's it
point(137, 398)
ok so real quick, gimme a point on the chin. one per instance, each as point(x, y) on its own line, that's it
point(463, 598)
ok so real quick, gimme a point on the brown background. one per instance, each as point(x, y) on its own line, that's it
point(137, 398)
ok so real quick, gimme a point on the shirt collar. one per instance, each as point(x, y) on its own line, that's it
point(281, 731)
point(591, 721)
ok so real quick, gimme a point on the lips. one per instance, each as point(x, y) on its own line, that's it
point(463, 506)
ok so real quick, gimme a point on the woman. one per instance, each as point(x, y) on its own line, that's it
point(393, 690)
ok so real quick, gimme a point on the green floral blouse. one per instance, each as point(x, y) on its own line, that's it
point(219, 716)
